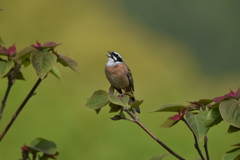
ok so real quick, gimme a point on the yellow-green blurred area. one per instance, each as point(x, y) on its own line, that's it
point(178, 52)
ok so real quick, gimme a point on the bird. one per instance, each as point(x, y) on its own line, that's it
point(119, 75)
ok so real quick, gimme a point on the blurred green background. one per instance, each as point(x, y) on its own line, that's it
point(178, 51)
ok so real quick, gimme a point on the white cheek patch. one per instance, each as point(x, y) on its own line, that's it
point(115, 59)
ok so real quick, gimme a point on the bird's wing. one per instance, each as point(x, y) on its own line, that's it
point(130, 78)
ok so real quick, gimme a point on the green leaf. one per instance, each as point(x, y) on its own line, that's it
point(23, 53)
point(5, 67)
point(169, 123)
point(43, 145)
point(20, 76)
point(212, 106)
point(230, 111)
point(68, 62)
point(232, 155)
point(43, 62)
point(137, 103)
point(159, 157)
point(114, 107)
point(175, 107)
point(122, 115)
point(197, 123)
point(98, 100)
point(116, 118)
point(205, 101)
point(98, 110)
point(56, 73)
point(122, 101)
point(232, 129)
point(213, 117)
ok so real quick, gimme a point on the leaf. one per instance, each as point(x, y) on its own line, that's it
point(122, 101)
point(159, 157)
point(12, 50)
point(5, 67)
point(68, 62)
point(205, 101)
point(215, 105)
point(238, 144)
point(116, 118)
point(197, 123)
point(20, 76)
point(213, 117)
point(23, 53)
point(3, 51)
point(230, 111)
point(122, 115)
point(232, 129)
point(169, 123)
point(56, 73)
point(51, 44)
point(98, 100)
point(98, 110)
point(114, 107)
point(175, 107)
point(43, 62)
point(232, 154)
point(43, 145)
point(137, 103)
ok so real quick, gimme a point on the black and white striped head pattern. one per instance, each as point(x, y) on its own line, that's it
point(114, 58)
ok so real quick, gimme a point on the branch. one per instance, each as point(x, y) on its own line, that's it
point(11, 80)
point(30, 94)
point(195, 139)
point(206, 147)
point(136, 120)
point(10, 83)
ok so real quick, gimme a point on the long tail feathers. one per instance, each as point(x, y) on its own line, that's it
point(132, 99)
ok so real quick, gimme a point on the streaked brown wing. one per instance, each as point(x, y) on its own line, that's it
point(130, 78)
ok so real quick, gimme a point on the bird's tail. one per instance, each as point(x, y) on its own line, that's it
point(132, 99)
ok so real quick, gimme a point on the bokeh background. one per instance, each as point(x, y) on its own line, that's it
point(178, 51)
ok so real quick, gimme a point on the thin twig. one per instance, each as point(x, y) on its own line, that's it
point(11, 80)
point(4, 100)
point(136, 120)
point(206, 147)
point(195, 139)
point(30, 94)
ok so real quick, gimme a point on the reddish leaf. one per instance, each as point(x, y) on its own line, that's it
point(231, 94)
point(184, 110)
point(45, 45)
point(3, 50)
point(38, 44)
point(12, 50)
point(24, 147)
point(1, 9)
point(176, 117)
point(169, 123)
point(50, 44)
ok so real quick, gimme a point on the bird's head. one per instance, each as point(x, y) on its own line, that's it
point(115, 57)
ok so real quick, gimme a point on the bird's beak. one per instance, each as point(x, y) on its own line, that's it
point(109, 53)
